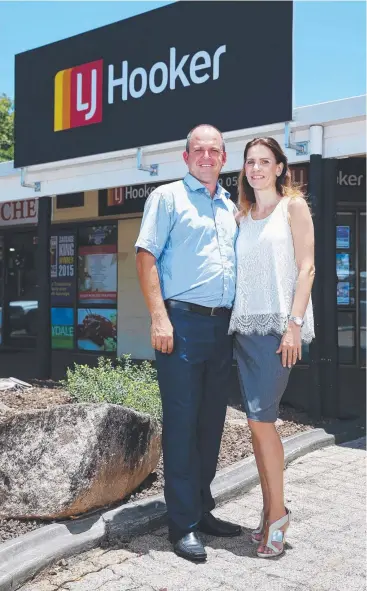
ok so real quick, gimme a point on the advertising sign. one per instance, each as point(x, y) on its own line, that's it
point(97, 265)
point(62, 255)
point(342, 265)
point(151, 78)
point(132, 198)
point(24, 211)
point(97, 329)
point(342, 237)
point(342, 293)
point(62, 328)
point(350, 183)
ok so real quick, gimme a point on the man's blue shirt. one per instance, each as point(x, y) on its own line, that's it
point(192, 236)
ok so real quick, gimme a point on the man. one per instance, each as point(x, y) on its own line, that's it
point(186, 268)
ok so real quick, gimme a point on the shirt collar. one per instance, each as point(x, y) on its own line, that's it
point(195, 185)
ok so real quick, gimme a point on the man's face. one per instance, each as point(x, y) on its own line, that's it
point(205, 157)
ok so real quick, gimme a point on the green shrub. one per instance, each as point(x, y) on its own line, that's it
point(123, 382)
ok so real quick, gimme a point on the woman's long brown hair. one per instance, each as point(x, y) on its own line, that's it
point(283, 185)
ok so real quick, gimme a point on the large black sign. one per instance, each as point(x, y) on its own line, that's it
point(351, 180)
point(132, 198)
point(151, 78)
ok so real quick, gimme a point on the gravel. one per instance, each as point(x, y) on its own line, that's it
point(236, 441)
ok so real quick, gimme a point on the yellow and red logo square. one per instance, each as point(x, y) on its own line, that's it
point(78, 96)
point(116, 196)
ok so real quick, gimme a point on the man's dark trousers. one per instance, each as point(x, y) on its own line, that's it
point(194, 384)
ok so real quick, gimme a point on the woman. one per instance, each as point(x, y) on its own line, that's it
point(272, 314)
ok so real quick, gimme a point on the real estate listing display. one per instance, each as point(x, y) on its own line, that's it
point(83, 269)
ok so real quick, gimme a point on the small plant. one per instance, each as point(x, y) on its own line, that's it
point(123, 382)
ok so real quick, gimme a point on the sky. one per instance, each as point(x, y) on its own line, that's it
point(329, 49)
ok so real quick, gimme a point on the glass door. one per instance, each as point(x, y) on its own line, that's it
point(21, 290)
point(351, 287)
point(362, 289)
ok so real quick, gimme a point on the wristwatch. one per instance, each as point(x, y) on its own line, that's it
point(298, 321)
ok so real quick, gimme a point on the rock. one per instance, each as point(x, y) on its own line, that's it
point(4, 408)
point(73, 458)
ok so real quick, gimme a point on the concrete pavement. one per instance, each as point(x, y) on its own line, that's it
point(326, 549)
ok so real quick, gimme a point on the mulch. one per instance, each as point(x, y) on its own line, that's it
point(236, 441)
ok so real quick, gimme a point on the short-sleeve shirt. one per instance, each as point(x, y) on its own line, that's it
point(192, 236)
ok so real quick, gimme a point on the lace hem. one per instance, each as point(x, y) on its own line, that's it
point(264, 324)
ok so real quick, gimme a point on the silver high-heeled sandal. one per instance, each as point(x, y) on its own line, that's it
point(273, 533)
point(259, 531)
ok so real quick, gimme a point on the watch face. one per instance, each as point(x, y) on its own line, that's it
point(297, 321)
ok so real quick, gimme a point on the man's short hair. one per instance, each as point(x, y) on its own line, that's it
point(189, 135)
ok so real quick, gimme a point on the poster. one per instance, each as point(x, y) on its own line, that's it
point(342, 237)
point(342, 265)
point(97, 329)
point(342, 293)
point(62, 268)
point(97, 265)
point(62, 328)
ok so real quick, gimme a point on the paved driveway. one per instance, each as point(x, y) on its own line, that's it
point(326, 549)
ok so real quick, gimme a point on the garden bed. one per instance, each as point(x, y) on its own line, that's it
point(236, 441)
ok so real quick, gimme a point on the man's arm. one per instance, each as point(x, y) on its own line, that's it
point(161, 330)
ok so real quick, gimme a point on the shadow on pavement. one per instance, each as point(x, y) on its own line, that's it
point(158, 542)
point(356, 444)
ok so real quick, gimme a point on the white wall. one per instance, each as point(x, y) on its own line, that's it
point(133, 322)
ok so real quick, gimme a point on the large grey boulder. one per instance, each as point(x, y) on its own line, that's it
point(72, 458)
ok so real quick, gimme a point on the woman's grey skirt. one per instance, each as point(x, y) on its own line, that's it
point(262, 377)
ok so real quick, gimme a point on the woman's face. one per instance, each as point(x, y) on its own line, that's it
point(261, 167)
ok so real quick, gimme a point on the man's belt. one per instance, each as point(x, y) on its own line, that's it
point(204, 310)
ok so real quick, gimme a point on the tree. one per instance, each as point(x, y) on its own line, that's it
point(6, 128)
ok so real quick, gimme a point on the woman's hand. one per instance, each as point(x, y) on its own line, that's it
point(290, 346)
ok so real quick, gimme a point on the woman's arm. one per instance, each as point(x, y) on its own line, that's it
point(303, 240)
point(304, 248)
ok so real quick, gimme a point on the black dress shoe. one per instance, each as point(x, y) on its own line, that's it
point(190, 547)
point(217, 527)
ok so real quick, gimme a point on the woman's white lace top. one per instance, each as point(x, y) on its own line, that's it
point(266, 276)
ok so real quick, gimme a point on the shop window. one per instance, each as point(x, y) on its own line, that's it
point(346, 338)
point(70, 200)
point(97, 288)
point(346, 286)
point(345, 260)
point(84, 288)
point(362, 289)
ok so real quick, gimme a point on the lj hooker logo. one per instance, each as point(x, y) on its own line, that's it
point(78, 90)
point(78, 96)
